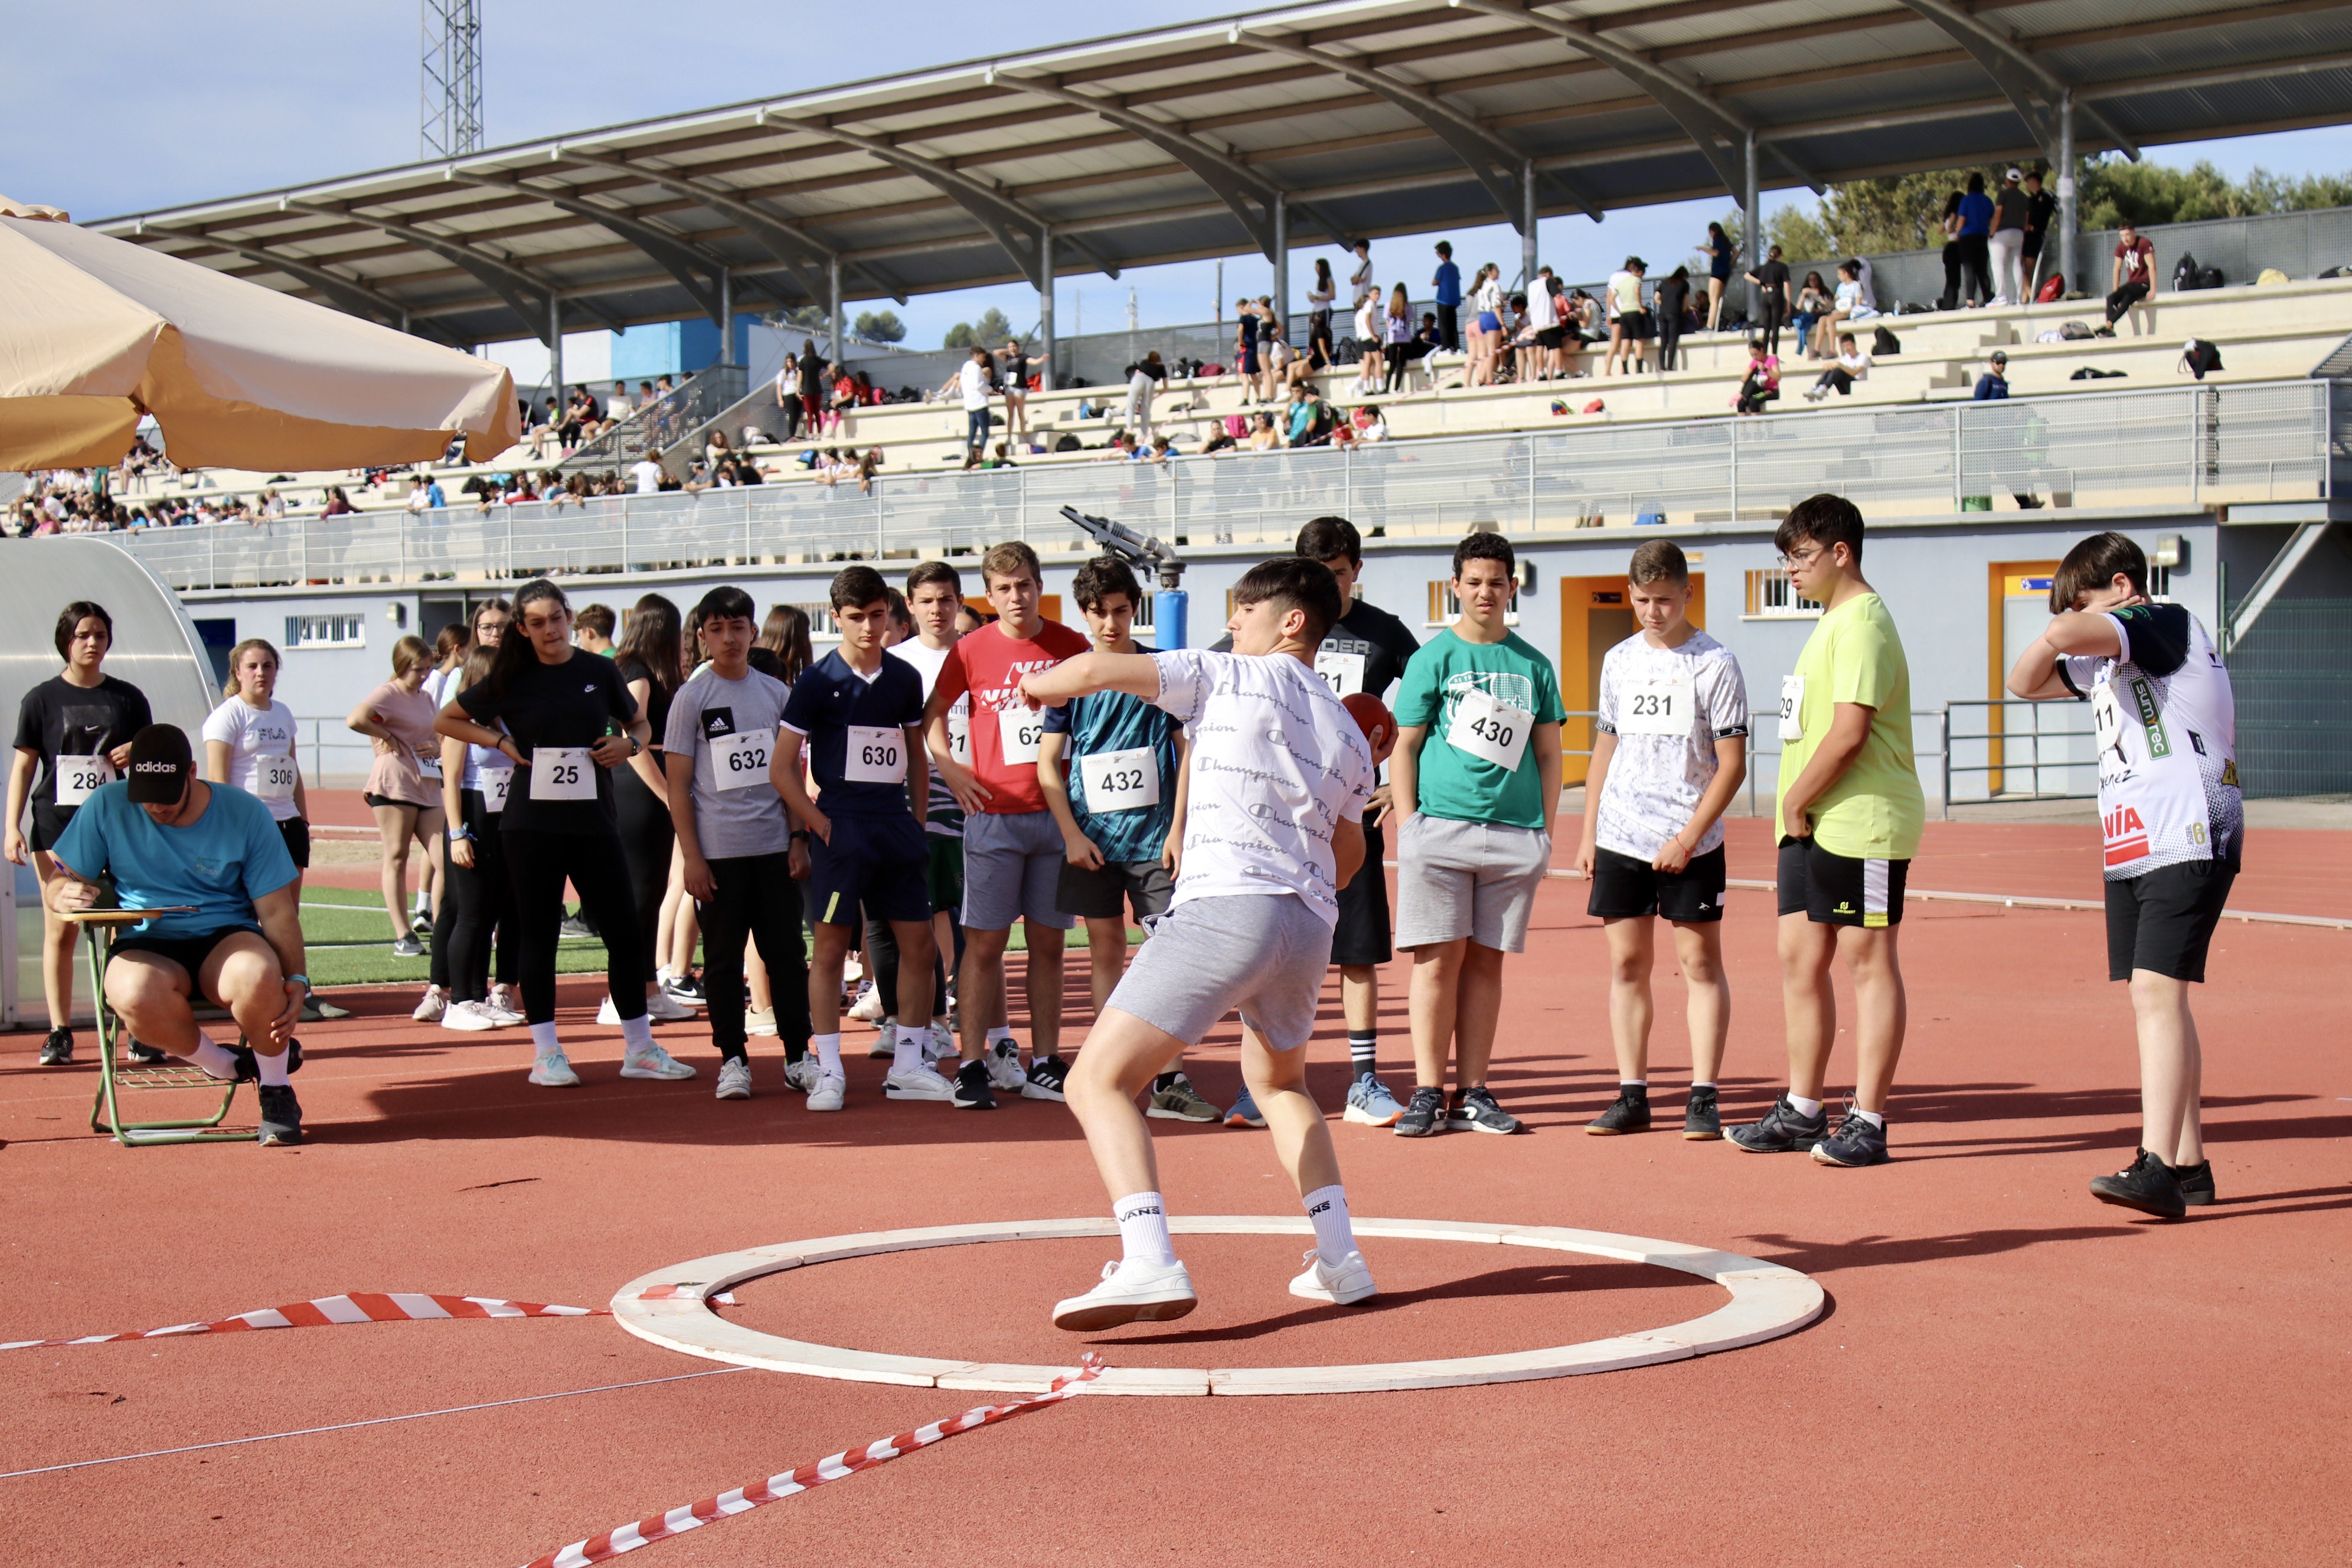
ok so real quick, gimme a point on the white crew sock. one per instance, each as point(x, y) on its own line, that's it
point(1334, 1236)
point(1633, 1083)
point(1805, 1107)
point(998, 1032)
point(828, 1054)
point(907, 1051)
point(1143, 1229)
point(273, 1068)
point(1873, 1117)
point(213, 1056)
point(639, 1032)
point(1702, 1083)
point(544, 1040)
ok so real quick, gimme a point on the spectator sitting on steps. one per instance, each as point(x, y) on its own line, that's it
point(1993, 384)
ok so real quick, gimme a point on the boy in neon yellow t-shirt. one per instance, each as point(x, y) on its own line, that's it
point(1848, 824)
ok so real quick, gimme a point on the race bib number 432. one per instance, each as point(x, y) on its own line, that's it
point(1121, 781)
point(1490, 730)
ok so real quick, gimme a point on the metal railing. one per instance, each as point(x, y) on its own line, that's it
point(2023, 751)
point(662, 425)
point(2173, 447)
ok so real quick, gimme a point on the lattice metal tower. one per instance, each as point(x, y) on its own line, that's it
point(450, 105)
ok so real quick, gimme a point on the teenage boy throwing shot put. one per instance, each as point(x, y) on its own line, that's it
point(1476, 778)
point(859, 715)
point(2175, 820)
point(1120, 809)
point(1280, 774)
point(1669, 754)
point(1849, 818)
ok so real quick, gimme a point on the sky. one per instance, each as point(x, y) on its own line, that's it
point(213, 99)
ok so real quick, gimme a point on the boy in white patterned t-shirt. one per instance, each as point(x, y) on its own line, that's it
point(1669, 754)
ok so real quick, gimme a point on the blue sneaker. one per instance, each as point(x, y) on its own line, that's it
point(1245, 1112)
point(1371, 1104)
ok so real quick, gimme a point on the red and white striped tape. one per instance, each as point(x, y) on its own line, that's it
point(792, 1483)
point(360, 1306)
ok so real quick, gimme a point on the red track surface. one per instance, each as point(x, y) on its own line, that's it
point(2011, 1374)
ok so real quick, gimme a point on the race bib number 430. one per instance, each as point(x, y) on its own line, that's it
point(1490, 730)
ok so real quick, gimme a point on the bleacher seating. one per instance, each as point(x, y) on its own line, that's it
point(2264, 333)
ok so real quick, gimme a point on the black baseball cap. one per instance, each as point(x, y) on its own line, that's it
point(161, 765)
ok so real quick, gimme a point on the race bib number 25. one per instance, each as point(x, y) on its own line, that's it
point(562, 773)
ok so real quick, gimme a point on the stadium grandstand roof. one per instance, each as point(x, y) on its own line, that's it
point(1363, 119)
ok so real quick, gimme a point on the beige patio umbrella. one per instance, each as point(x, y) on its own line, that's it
point(95, 331)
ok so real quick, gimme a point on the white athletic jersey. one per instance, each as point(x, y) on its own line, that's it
point(2168, 731)
point(251, 734)
point(1277, 765)
point(1667, 707)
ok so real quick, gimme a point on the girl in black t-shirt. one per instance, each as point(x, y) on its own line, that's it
point(569, 720)
point(75, 731)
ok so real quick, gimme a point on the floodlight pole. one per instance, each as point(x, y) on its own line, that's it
point(450, 115)
point(1045, 307)
point(1282, 261)
point(2069, 218)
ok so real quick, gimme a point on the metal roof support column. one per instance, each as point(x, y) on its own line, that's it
point(1527, 225)
point(1751, 225)
point(1282, 262)
point(1046, 308)
point(2069, 218)
point(554, 356)
point(727, 316)
point(832, 308)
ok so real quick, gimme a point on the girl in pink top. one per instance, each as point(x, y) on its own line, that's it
point(403, 787)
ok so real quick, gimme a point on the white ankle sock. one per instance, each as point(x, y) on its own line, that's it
point(639, 1032)
point(1327, 1208)
point(1143, 1229)
point(1873, 1117)
point(998, 1032)
point(1633, 1083)
point(213, 1056)
point(273, 1068)
point(1805, 1107)
point(1703, 1083)
point(544, 1040)
point(907, 1051)
point(828, 1054)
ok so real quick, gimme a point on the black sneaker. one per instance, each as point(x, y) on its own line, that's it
point(282, 1115)
point(1424, 1115)
point(685, 990)
point(1701, 1118)
point(1045, 1075)
point(1856, 1143)
point(2146, 1185)
point(1476, 1110)
point(57, 1051)
point(1629, 1112)
point(147, 1055)
point(971, 1090)
point(2196, 1182)
point(1782, 1130)
point(249, 1066)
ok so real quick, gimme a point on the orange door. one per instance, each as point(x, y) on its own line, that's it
point(1595, 616)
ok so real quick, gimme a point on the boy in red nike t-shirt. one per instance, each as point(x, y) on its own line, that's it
point(1012, 849)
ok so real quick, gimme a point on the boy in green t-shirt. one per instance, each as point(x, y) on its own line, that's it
point(1476, 807)
point(1848, 823)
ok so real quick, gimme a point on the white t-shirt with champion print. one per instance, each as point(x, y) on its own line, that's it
point(250, 734)
point(1667, 707)
point(2167, 726)
point(1277, 765)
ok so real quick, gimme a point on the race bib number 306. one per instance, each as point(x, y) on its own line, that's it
point(739, 762)
point(273, 777)
point(562, 773)
point(1490, 730)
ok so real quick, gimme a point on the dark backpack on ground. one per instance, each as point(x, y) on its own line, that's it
point(1884, 342)
point(2201, 357)
point(2209, 277)
point(1068, 443)
point(2075, 331)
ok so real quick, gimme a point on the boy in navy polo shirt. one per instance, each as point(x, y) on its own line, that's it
point(858, 716)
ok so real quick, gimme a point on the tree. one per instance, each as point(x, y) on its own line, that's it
point(880, 326)
point(959, 336)
point(992, 329)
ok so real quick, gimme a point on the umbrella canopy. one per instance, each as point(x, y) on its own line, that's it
point(94, 332)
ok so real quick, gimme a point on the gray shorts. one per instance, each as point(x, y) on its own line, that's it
point(1476, 879)
point(1265, 953)
point(1011, 865)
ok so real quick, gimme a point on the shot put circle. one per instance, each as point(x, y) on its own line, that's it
point(670, 1307)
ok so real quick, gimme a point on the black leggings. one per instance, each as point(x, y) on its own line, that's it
point(1395, 354)
point(1670, 338)
point(1770, 315)
point(483, 897)
point(754, 897)
point(537, 865)
point(647, 834)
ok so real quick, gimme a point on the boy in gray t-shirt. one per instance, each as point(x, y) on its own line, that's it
point(741, 856)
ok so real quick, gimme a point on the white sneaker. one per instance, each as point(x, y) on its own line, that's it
point(761, 1022)
point(828, 1093)
point(1130, 1292)
point(606, 1013)
point(551, 1071)
point(735, 1078)
point(851, 971)
point(470, 1017)
point(652, 1061)
point(868, 1006)
point(1343, 1285)
point(886, 1043)
point(917, 1083)
point(1005, 1070)
point(501, 1007)
point(803, 1075)
point(435, 1003)
point(661, 1004)
point(939, 1045)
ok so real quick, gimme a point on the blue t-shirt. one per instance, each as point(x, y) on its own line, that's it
point(220, 863)
point(1976, 213)
point(1449, 283)
point(1106, 721)
point(831, 701)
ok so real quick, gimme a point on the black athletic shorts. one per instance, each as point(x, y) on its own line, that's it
point(1550, 337)
point(2162, 921)
point(1836, 890)
point(1104, 894)
point(188, 952)
point(1626, 889)
point(49, 824)
point(296, 834)
point(877, 861)
point(1363, 931)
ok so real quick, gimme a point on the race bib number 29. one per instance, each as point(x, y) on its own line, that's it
point(1792, 705)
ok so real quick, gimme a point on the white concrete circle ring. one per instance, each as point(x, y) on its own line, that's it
point(669, 1307)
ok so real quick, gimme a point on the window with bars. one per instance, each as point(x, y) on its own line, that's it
point(1772, 596)
point(326, 631)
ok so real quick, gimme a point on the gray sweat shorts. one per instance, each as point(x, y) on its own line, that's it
point(1476, 879)
point(1011, 865)
point(1265, 953)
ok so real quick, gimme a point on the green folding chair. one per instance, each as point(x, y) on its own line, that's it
point(114, 1077)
